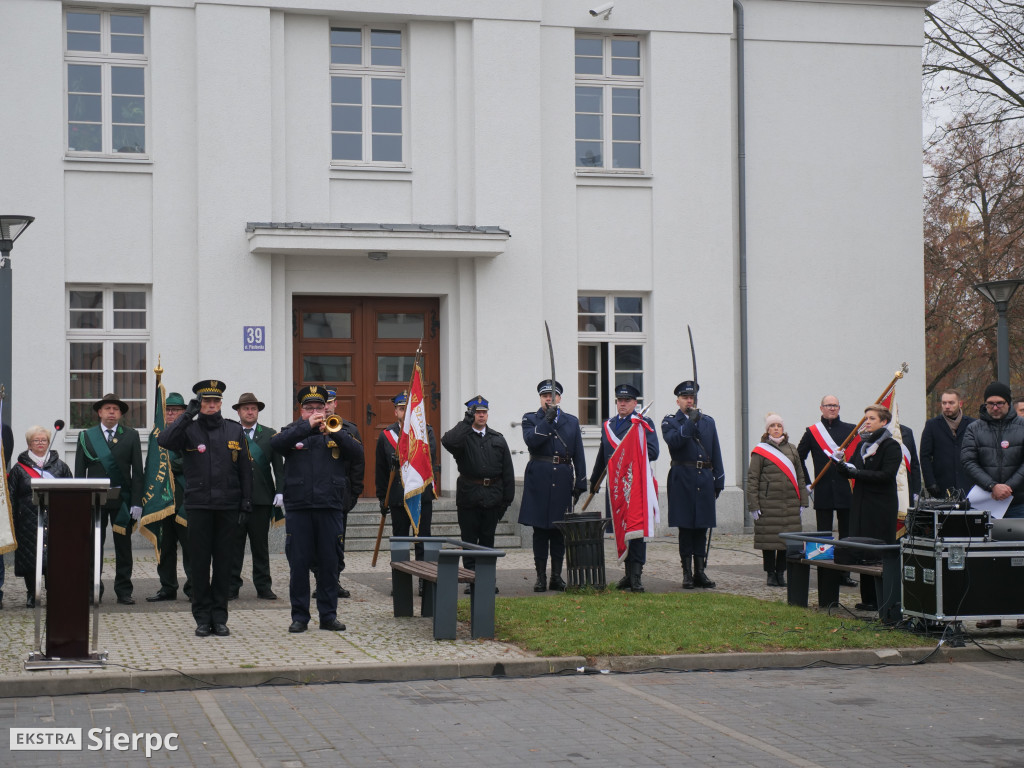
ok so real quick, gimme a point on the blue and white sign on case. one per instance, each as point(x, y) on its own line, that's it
point(254, 338)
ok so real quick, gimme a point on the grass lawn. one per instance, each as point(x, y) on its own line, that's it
point(614, 623)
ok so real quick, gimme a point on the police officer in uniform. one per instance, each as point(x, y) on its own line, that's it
point(112, 451)
point(487, 484)
point(388, 477)
point(550, 486)
point(218, 495)
point(174, 530)
point(612, 432)
point(316, 497)
point(267, 488)
point(696, 478)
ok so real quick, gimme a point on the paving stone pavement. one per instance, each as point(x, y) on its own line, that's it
point(144, 639)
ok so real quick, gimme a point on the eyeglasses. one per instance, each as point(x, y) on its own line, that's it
point(996, 404)
point(830, 405)
point(313, 408)
point(39, 441)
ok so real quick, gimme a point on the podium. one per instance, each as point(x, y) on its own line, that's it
point(74, 521)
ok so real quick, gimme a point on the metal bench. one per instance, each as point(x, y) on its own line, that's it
point(442, 575)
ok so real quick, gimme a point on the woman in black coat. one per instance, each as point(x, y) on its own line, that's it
point(37, 462)
point(873, 471)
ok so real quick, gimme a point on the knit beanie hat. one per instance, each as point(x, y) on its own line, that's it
point(998, 389)
point(772, 418)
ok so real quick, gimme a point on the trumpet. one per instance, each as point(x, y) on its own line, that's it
point(331, 424)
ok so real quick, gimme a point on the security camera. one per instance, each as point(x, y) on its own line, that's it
point(604, 8)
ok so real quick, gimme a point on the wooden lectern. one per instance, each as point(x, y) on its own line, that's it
point(72, 564)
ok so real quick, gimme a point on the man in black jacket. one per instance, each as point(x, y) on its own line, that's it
point(941, 441)
point(832, 492)
point(487, 485)
point(218, 495)
point(316, 497)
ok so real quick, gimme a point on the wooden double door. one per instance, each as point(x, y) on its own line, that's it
point(365, 347)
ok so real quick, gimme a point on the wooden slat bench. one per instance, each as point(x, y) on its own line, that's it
point(442, 575)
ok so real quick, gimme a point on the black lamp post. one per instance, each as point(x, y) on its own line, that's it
point(10, 228)
point(999, 292)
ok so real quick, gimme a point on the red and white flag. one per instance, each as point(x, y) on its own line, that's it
point(414, 450)
point(632, 488)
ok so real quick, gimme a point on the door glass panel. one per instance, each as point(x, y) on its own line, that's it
point(395, 367)
point(326, 369)
point(327, 325)
point(399, 326)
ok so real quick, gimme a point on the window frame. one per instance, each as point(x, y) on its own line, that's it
point(107, 336)
point(366, 72)
point(607, 82)
point(606, 342)
point(106, 60)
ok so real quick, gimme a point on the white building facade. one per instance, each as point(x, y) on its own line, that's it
point(278, 193)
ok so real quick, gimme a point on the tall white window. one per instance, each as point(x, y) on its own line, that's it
point(609, 100)
point(367, 96)
point(108, 351)
point(105, 61)
point(612, 345)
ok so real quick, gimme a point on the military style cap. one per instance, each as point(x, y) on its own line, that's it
point(400, 399)
point(332, 394)
point(175, 398)
point(248, 398)
point(110, 397)
point(312, 394)
point(687, 388)
point(210, 388)
point(545, 386)
point(627, 391)
point(478, 403)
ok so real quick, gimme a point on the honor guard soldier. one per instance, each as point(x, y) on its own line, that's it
point(112, 451)
point(173, 528)
point(695, 479)
point(487, 484)
point(316, 497)
point(555, 477)
point(612, 433)
point(267, 488)
point(218, 496)
point(388, 477)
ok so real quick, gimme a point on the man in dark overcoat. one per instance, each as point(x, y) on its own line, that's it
point(555, 477)
point(486, 485)
point(941, 441)
point(612, 432)
point(695, 479)
point(832, 492)
point(218, 496)
point(110, 450)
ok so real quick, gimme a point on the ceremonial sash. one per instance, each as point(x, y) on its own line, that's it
point(827, 444)
point(392, 437)
point(906, 457)
point(612, 437)
point(780, 460)
point(123, 522)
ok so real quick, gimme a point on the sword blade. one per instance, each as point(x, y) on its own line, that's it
point(551, 356)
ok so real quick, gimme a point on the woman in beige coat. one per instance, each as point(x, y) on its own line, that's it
point(776, 496)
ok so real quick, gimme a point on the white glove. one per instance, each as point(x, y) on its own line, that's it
point(279, 500)
point(916, 497)
point(802, 510)
point(838, 456)
point(756, 514)
point(136, 513)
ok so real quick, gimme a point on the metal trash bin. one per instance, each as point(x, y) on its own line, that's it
point(584, 550)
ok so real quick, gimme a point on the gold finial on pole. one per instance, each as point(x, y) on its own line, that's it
point(159, 371)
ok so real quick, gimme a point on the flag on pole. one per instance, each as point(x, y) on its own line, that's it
point(414, 450)
point(8, 541)
point(632, 488)
point(158, 496)
point(903, 476)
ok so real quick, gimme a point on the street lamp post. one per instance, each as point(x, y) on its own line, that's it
point(11, 228)
point(999, 292)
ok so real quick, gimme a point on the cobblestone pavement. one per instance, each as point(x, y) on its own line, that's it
point(934, 715)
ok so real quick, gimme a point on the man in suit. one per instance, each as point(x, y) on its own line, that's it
point(174, 529)
point(941, 443)
point(267, 490)
point(910, 454)
point(112, 451)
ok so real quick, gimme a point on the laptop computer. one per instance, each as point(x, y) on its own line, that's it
point(1011, 529)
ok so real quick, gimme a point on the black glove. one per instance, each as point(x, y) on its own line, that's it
point(243, 511)
point(594, 488)
point(383, 507)
point(193, 408)
point(395, 462)
point(576, 493)
point(468, 418)
point(718, 491)
point(550, 413)
point(934, 491)
point(852, 471)
point(694, 414)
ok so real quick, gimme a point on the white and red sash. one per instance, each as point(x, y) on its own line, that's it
point(827, 444)
point(392, 437)
point(780, 460)
point(612, 437)
point(906, 457)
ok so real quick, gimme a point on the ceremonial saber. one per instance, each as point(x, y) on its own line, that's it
point(604, 473)
point(904, 368)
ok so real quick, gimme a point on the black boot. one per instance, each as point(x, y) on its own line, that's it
point(780, 576)
point(624, 582)
point(699, 577)
point(687, 573)
point(541, 585)
point(636, 571)
point(773, 580)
